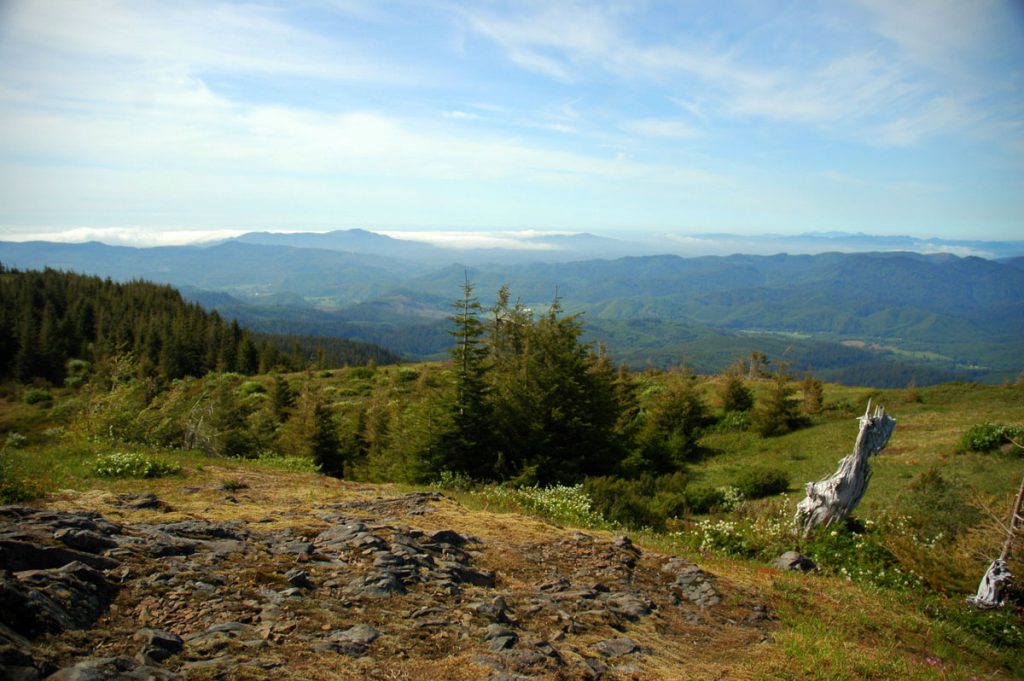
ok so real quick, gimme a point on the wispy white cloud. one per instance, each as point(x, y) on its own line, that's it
point(522, 241)
point(669, 128)
point(121, 236)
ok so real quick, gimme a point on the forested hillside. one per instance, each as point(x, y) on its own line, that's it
point(54, 325)
point(879, 319)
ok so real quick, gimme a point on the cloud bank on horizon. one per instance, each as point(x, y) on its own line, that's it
point(159, 121)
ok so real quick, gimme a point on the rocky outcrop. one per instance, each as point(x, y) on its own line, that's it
point(352, 582)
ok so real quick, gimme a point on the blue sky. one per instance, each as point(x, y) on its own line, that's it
point(165, 121)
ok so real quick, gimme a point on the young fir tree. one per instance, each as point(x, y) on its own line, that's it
point(555, 404)
point(672, 424)
point(777, 412)
point(324, 443)
point(734, 393)
point(813, 393)
point(464, 446)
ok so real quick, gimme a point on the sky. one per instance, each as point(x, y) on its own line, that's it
point(165, 122)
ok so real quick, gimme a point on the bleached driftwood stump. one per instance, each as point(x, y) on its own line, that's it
point(833, 499)
point(992, 589)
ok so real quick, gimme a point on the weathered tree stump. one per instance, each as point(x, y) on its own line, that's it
point(833, 499)
point(992, 589)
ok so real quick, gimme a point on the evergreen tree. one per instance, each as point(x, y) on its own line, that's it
point(282, 397)
point(465, 446)
point(777, 412)
point(735, 394)
point(813, 394)
point(554, 402)
point(672, 424)
point(324, 443)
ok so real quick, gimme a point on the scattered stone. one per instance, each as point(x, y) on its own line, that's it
point(759, 613)
point(794, 561)
point(448, 537)
point(139, 501)
point(468, 575)
point(158, 645)
point(692, 583)
point(630, 606)
point(501, 637)
point(69, 597)
point(363, 634)
point(18, 555)
point(375, 584)
point(299, 579)
point(617, 647)
point(112, 669)
point(84, 540)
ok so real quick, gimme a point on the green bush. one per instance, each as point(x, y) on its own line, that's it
point(407, 374)
point(133, 465)
point(37, 396)
point(15, 441)
point(984, 437)
point(625, 502)
point(251, 388)
point(733, 420)
point(567, 504)
point(703, 499)
point(735, 395)
point(757, 483)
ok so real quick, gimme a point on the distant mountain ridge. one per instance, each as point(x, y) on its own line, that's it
point(938, 314)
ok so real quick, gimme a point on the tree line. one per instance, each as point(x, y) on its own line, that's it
point(531, 403)
point(53, 322)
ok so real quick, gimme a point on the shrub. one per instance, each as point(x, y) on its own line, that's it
point(37, 396)
point(15, 441)
point(777, 412)
point(567, 504)
point(733, 420)
point(133, 465)
point(459, 482)
point(735, 395)
point(757, 483)
point(251, 388)
point(13, 488)
point(939, 508)
point(294, 464)
point(407, 374)
point(703, 499)
point(814, 394)
point(984, 437)
point(625, 502)
point(234, 485)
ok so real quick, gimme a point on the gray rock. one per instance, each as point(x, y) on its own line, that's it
point(795, 562)
point(26, 555)
point(112, 669)
point(375, 584)
point(468, 575)
point(448, 537)
point(299, 578)
point(630, 606)
point(139, 501)
point(70, 597)
point(159, 645)
point(84, 540)
point(363, 634)
point(500, 637)
point(692, 583)
point(617, 647)
point(203, 529)
point(292, 547)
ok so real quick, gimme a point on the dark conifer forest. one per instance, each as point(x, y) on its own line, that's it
point(51, 321)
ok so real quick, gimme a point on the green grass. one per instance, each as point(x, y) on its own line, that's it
point(926, 436)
